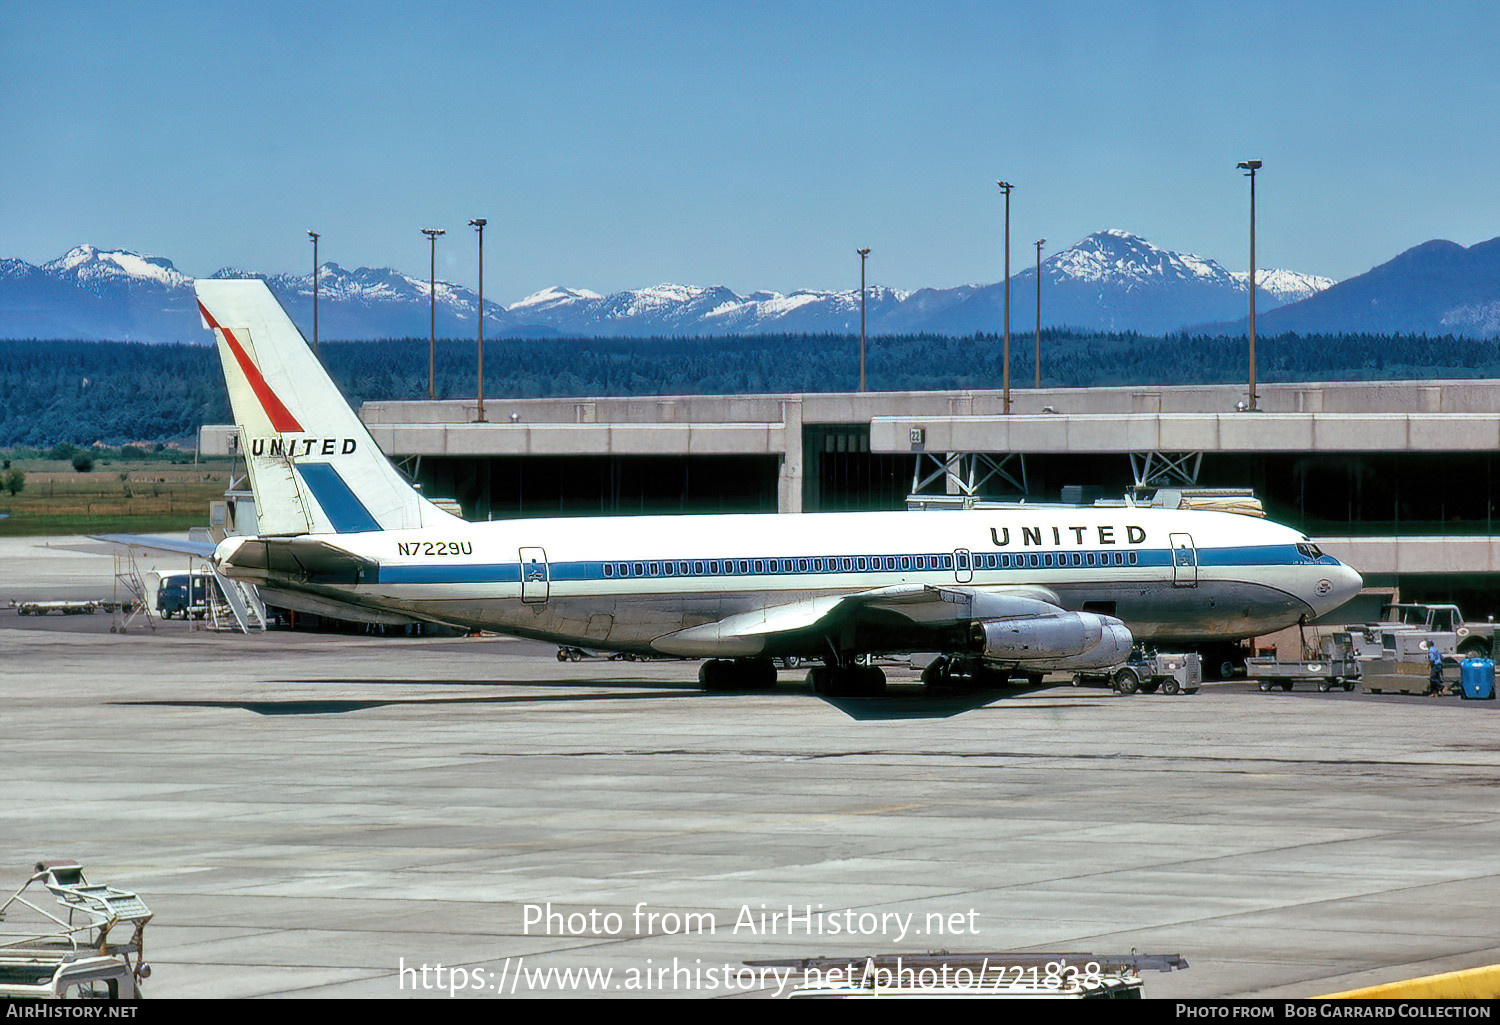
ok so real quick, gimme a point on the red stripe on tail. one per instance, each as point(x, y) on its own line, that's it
point(281, 417)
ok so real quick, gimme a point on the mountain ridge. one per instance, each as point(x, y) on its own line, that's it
point(1112, 281)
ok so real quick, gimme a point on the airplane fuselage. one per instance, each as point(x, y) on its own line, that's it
point(625, 582)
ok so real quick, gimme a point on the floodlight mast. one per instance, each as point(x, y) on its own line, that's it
point(864, 254)
point(314, 236)
point(480, 222)
point(1251, 166)
point(432, 236)
point(1039, 243)
point(1005, 187)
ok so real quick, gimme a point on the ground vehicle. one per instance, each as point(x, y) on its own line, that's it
point(62, 608)
point(72, 954)
point(1180, 673)
point(569, 653)
point(183, 594)
point(1331, 664)
point(1468, 638)
point(1328, 673)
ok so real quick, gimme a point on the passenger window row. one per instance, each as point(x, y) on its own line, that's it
point(862, 564)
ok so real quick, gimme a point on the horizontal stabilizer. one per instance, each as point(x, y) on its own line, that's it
point(157, 543)
point(295, 560)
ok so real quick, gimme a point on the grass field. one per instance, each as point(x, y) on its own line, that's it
point(117, 497)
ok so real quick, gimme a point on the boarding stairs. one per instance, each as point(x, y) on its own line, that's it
point(92, 911)
point(234, 605)
point(138, 606)
point(88, 923)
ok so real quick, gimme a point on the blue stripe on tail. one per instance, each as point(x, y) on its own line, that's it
point(345, 511)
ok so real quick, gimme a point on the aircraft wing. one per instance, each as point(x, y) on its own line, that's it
point(922, 605)
point(157, 543)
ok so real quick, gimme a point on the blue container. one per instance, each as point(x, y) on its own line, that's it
point(1477, 675)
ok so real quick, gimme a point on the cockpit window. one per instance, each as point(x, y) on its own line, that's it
point(1309, 549)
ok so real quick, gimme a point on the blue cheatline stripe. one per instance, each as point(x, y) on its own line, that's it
point(985, 571)
point(344, 510)
point(488, 573)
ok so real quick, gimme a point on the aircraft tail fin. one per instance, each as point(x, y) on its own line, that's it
point(313, 466)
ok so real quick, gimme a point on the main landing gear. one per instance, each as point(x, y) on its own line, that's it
point(850, 680)
point(737, 674)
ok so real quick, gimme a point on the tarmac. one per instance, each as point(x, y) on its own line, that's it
point(335, 816)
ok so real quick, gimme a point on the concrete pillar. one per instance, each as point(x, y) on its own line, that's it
point(789, 479)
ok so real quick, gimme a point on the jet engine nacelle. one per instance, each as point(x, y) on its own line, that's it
point(1067, 640)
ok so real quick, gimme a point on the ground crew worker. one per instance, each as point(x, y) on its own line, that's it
point(1435, 670)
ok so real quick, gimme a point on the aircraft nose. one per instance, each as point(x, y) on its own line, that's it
point(1335, 585)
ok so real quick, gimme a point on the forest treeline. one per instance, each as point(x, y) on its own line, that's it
point(118, 392)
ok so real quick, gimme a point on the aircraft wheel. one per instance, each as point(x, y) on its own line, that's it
point(755, 673)
point(1170, 687)
point(847, 681)
point(1127, 681)
point(718, 674)
point(869, 681)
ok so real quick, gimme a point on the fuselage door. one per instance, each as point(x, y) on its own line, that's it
point(1184, 561)
point(963, 565)
point(535, 577)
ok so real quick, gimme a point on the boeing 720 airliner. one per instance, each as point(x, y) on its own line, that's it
point(1028, 589)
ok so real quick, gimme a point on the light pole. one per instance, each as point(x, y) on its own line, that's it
point(480, 222)
point(1005, 187)
point(314, 236)
point(1039, 243)
point(864, 254)
point(1252, 166)
point(432, 236)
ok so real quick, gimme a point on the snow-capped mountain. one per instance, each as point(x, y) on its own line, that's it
point(1111, 280)
point(1286, 285)
point(123, 296)
point(688, 310)
point(89, 292)
point(371, 302)
point(99, 268)
point(1116, 281)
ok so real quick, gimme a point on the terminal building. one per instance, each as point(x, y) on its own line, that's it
point(1397, 478)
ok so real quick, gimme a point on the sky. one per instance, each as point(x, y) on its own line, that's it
point(616, 145)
